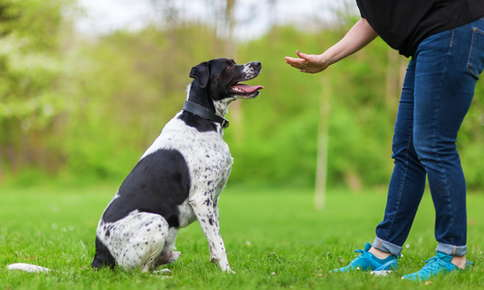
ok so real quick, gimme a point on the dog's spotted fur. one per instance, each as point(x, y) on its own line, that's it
point(177, 180)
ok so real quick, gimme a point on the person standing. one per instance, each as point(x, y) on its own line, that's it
point(445, 40)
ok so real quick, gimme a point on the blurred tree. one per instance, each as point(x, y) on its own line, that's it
point(230, 51)
point(29, 71)
point(89, 106)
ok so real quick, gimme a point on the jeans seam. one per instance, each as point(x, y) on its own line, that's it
point(434, 138)
point(404, 178)
point(469, 65)
point(406, 165)
point(452, 36)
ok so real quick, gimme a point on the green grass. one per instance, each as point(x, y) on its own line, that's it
point(275, 239)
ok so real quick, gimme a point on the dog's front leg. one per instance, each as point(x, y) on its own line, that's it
point(207, 215)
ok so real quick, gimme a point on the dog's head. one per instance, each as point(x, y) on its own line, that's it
point(222, 78)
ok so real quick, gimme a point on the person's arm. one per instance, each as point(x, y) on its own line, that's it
point(356, 38)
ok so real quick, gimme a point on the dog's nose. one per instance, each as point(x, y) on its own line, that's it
point(256, 64)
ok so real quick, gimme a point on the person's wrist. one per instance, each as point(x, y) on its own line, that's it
point(324, 60)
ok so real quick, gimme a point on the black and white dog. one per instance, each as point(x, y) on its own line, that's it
point(179, 178)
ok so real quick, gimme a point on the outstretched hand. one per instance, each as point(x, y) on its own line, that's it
point(308, 63)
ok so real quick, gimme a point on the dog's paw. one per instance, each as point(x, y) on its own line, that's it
point(223, 264)
point(174, 255)
point(168, 258)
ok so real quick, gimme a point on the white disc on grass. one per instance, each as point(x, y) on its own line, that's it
point(27, 268)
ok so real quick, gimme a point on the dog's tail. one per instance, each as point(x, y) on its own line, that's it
point(27, 268)
point(103, 257)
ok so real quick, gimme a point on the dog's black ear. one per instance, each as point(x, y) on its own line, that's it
point(201, 74)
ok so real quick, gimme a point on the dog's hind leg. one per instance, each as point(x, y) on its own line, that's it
point(137, 240)
point(169, 253)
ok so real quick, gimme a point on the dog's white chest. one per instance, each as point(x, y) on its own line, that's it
point(207, 156)
point(210, 167)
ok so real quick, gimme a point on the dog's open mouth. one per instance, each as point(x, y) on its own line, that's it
point(246, 91)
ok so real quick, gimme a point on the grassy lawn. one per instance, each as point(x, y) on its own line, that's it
point(274, 239)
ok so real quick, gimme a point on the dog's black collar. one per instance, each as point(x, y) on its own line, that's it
point(204, 113)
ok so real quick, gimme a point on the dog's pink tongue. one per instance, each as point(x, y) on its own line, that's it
point(243, 88)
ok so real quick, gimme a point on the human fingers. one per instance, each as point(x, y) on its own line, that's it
point(294, 59)
point(305, 56)
point(297, 63)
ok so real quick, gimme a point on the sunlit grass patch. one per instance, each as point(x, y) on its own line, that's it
point(274, 238)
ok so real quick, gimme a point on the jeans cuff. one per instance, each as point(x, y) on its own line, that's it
point(387, 247)
point(452, 250)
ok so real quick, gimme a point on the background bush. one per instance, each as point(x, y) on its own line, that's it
point(79, 109)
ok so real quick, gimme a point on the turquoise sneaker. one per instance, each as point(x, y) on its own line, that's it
point(366, 261)
point(438, 264)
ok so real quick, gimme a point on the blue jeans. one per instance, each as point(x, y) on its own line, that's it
point(436, 95)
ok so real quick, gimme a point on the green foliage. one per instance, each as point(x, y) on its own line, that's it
point(30, 68)
point(83, 109)
point(129, 86)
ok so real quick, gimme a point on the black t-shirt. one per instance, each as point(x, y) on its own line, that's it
point(404, 23)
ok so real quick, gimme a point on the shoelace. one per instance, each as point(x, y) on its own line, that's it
point(364, 254)
point(365, 250)
point(433, 264)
